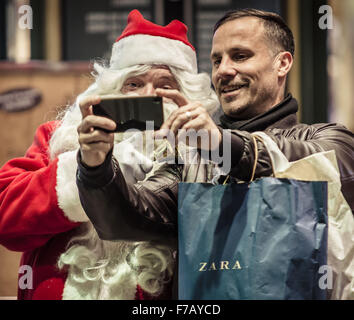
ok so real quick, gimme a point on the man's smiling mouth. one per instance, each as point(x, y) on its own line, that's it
point(232, 88)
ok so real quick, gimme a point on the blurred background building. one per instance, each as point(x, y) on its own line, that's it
point(47, 48)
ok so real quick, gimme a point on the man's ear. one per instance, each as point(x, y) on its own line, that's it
point(284, 63)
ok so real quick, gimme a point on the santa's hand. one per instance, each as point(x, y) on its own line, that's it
point(95, 144)
point(133, 164)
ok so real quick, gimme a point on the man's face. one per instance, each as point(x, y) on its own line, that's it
point(244, 75)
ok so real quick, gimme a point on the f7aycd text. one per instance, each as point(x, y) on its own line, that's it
point(197, 309)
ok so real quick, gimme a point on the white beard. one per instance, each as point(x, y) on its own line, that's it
point(99, 269)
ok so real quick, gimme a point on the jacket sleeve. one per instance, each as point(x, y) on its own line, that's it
point(31, 211)
point(119, 211)
point(296, 143)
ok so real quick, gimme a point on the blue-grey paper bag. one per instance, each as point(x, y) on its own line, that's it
point(263, 240)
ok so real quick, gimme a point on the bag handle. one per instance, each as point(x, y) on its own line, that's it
point(278, 160)
point(255, 158)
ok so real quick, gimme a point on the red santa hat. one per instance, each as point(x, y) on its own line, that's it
point(143, 42)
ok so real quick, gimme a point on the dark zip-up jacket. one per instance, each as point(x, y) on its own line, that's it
point(148, 210)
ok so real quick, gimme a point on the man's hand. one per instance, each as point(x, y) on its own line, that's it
point(94, 143)
point(189, 116)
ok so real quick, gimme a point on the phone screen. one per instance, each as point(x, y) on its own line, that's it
point(132, 112)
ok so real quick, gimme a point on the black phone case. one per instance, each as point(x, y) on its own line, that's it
point(132, 112)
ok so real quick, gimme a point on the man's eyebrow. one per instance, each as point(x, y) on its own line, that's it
point(215, 55)
point(240, 48)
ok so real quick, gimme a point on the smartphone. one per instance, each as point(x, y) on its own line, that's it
point(131, 112)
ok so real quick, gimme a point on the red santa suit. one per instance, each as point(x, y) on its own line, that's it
point(38, 219)
point(32, 220)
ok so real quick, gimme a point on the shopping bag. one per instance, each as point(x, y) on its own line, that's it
point(323, 166)
point(261, 240)
point(265, 240)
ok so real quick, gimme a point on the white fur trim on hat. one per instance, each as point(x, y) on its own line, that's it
point(147, 49)
point(67, 192)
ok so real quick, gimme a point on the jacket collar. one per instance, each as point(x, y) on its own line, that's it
point(281, 116)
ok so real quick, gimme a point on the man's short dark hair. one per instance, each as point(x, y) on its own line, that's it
point(277, 31)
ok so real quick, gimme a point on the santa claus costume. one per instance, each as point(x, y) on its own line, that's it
point(40, 210)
